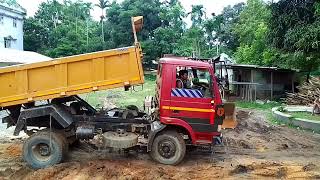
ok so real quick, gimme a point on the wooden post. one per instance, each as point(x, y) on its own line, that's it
point(247, 92)
point(255, 92)
point(271, 86)
point(251, 85)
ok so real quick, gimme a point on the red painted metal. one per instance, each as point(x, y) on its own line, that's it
point(166, 80)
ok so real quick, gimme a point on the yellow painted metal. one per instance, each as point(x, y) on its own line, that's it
point(71, 75)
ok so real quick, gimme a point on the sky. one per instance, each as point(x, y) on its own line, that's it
point(211, 6)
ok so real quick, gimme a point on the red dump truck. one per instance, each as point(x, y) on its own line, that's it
point(43, 102)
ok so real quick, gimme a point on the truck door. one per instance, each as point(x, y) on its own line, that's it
point(192, 102)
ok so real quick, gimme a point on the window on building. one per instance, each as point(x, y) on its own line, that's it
point(14, 22)
point(1, 19)
point(7, 43)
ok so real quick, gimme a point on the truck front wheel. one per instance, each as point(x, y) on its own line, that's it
point(43, 149)
point(168, 148)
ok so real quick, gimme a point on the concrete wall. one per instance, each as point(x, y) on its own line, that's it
point(7, 28)
point(288, 119)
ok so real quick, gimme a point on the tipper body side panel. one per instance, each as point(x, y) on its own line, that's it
point(70, 76)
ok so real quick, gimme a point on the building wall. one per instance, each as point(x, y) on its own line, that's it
point(282, 82)
point(7, 28)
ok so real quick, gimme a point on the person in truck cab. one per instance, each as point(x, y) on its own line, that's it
point(183, 81)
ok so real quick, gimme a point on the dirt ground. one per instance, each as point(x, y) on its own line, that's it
point(255, 149)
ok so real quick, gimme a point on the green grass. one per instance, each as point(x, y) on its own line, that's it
point(305, 115)
point(122, 98)
point(266, 108)
point(272, 119)
point(254, 105)
point(277, 122)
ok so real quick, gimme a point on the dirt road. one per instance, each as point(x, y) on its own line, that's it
point(255, 149)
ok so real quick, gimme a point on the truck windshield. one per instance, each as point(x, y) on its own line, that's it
point(203, 76)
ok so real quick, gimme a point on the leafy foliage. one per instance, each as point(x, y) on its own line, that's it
point(61, 29)
point(284, 34)
point(295, 30)
point(251, 30)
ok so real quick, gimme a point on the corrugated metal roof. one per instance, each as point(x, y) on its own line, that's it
point(13, 56)
point(249, 66)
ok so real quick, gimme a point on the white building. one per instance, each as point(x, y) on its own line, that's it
point(11, 25)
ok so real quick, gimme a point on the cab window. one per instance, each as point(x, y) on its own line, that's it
point(192, 83)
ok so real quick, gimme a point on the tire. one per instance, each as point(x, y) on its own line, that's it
point(65, 144)
point(37, 152)
point(63, 139)
point(115, 140)
point(168, 148)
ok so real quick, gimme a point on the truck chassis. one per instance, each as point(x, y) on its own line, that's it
point(57, 124)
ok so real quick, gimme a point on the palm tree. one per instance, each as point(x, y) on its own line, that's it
point(197, 14)
point(102, 5)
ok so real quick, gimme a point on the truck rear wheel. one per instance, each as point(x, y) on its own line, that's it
point(168, 148)
point(42, 150)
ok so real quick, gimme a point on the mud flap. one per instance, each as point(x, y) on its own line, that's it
point(156, 127)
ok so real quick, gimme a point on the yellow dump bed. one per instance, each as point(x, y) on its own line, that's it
point(70, 76)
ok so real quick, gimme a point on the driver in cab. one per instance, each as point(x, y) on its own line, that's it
point(183, 81)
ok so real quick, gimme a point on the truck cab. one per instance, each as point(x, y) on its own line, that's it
point(191, 114)
point(196, 107)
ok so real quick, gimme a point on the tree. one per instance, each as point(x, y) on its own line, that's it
point(35, 35)
point(61, 29)
point(50, 13)
point(252, 30)
point(227, 36)
point(119, 21)
point(295, 32)
point(193, 43)
point(167, 35)
point(197, 14)
point(66, 28)
point(103, 4)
